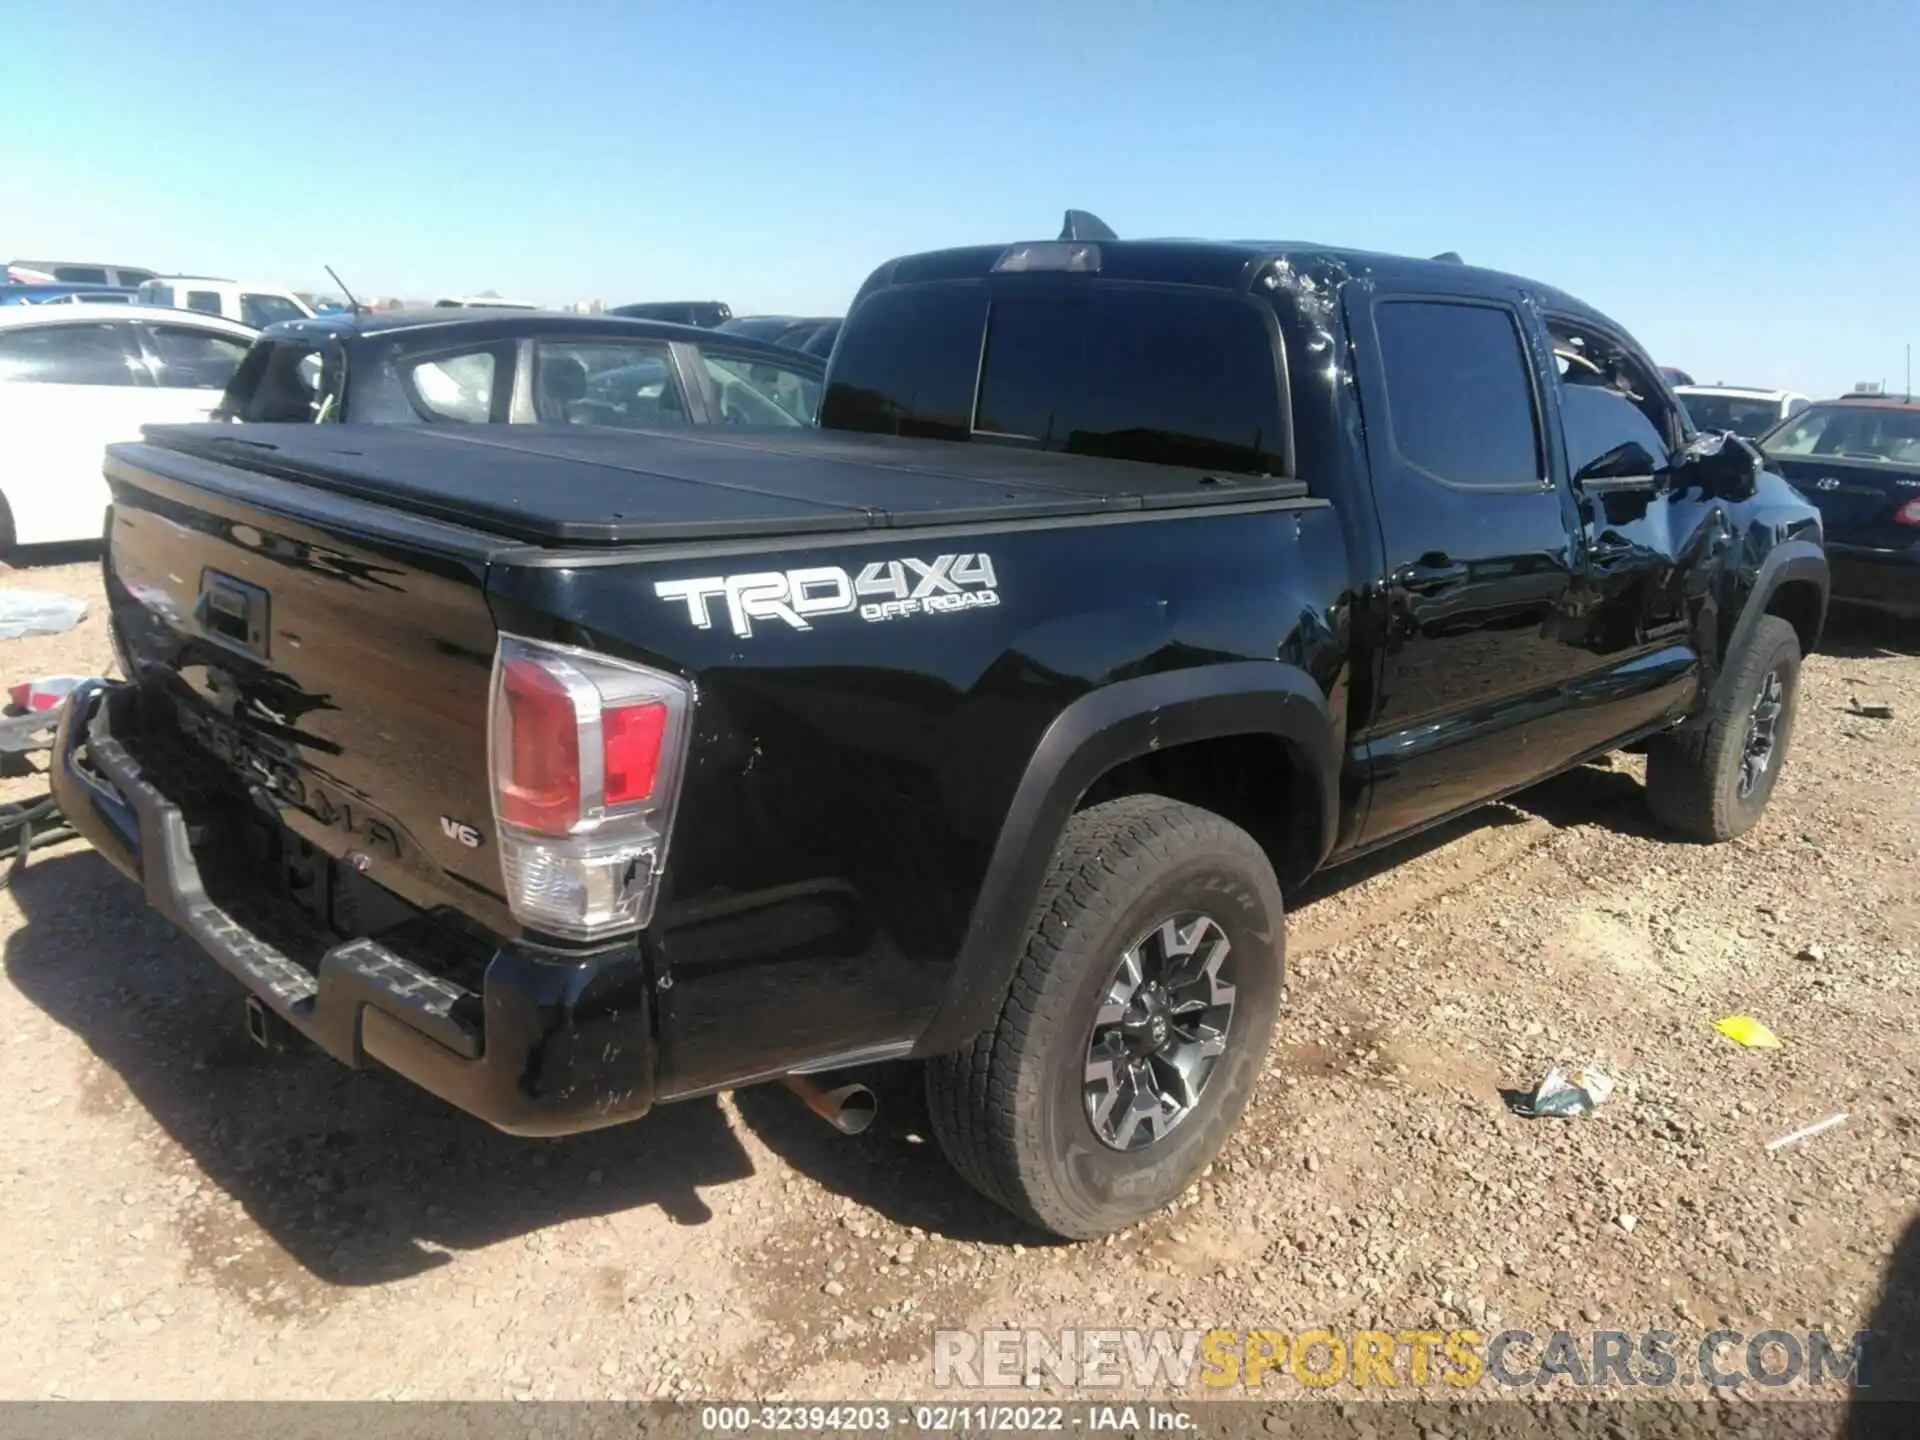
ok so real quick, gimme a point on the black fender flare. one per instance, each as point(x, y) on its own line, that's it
point(1787, 562)
point(1102, 729)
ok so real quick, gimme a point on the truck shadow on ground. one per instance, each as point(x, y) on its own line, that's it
point(39, 557)
point(362, 1179)
point(896, 1167)
point(1856, 634)
point(1887, 1386)
point(356, 1175)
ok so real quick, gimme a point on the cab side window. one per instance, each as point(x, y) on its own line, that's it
point(1460, 398)
point(1609, 399)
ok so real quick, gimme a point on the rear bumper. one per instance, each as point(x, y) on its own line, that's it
point(1886, 580)
point(552, 1044)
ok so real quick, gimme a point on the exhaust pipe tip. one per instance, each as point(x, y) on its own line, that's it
point(850, 1108)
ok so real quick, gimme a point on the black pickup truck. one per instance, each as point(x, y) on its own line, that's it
point(1122, 585)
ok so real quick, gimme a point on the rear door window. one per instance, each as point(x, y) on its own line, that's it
point(629, 386)
point(472, 386)
point(205, 301)
point(192, 359)
point(1460, 400)
point(93, 353)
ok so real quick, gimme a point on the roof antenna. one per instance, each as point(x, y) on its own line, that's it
point(353, 305)
point(1451, 257)
point(1083, 225)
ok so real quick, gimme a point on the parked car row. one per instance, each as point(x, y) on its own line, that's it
point(432, 366)
point(73, 381)
point(1856, 457)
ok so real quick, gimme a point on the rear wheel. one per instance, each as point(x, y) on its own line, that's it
point(1136, 1026)
point(1712, 780)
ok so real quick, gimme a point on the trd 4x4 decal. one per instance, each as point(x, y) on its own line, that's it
point(883, 590)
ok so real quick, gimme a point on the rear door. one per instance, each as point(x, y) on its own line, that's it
point(66, 392)
point(1860, 464)
point(1480, 552)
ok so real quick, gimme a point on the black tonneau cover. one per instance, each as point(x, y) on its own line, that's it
point(582, 485)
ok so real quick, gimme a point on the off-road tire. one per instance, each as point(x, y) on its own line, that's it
point(1694, 773)
point(1010, 1110)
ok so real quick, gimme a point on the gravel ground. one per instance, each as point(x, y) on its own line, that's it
point(187, 1217)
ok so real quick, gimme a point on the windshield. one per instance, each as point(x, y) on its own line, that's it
point(1887, 433)
point(1745, 416)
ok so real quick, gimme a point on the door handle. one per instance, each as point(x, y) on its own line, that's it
point(1430, 573)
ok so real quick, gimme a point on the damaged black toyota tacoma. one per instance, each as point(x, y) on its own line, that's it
point(1123, 585)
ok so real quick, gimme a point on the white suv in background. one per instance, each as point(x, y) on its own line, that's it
point(250, 304)
point(1747, 412)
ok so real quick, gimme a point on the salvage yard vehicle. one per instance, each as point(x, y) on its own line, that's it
point(573, 772)
point(707, 314)
point(60, 294)
point(72, 380)
point(1858, 459)
point(74, 272)
point(400, 367)
point(1746, 411)
point(249, 302)
point(794, 332)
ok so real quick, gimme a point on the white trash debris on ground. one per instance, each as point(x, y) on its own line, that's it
point(37, 612)
point(1577, 1095)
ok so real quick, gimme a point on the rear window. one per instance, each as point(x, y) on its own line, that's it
point(1129, 373)
point(278, 382)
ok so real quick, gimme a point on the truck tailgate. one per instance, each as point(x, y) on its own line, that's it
point(333, 657)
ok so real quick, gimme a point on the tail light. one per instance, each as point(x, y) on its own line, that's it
point(1909, 513)
point(587, 756)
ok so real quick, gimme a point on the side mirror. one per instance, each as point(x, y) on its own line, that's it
point(1629, 460)
point(1722, 465)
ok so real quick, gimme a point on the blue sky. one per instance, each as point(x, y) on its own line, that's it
point(1737, 183)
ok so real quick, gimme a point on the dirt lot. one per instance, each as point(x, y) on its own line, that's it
point(185, 1216)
